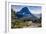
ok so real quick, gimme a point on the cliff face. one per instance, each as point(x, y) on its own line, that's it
point(12, 18)
point(12, 13)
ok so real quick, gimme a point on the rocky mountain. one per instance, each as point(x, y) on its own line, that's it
point(25, 14)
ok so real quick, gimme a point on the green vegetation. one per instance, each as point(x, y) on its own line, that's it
point(19, 24)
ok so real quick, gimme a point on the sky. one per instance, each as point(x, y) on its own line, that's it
point(36, 10)
point(32, 9)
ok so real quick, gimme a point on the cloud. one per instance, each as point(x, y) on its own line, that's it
point(35, 12)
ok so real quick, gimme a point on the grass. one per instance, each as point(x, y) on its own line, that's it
point(19, 24)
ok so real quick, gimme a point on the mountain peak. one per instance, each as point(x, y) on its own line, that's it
point(25, 10)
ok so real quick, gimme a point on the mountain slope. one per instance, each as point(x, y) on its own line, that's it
point(24, 13)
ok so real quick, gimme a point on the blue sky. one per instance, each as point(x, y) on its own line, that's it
point(33, 9)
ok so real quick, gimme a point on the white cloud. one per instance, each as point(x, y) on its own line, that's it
point(35, 11)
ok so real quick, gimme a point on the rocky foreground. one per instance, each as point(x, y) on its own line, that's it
point(26, 24)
